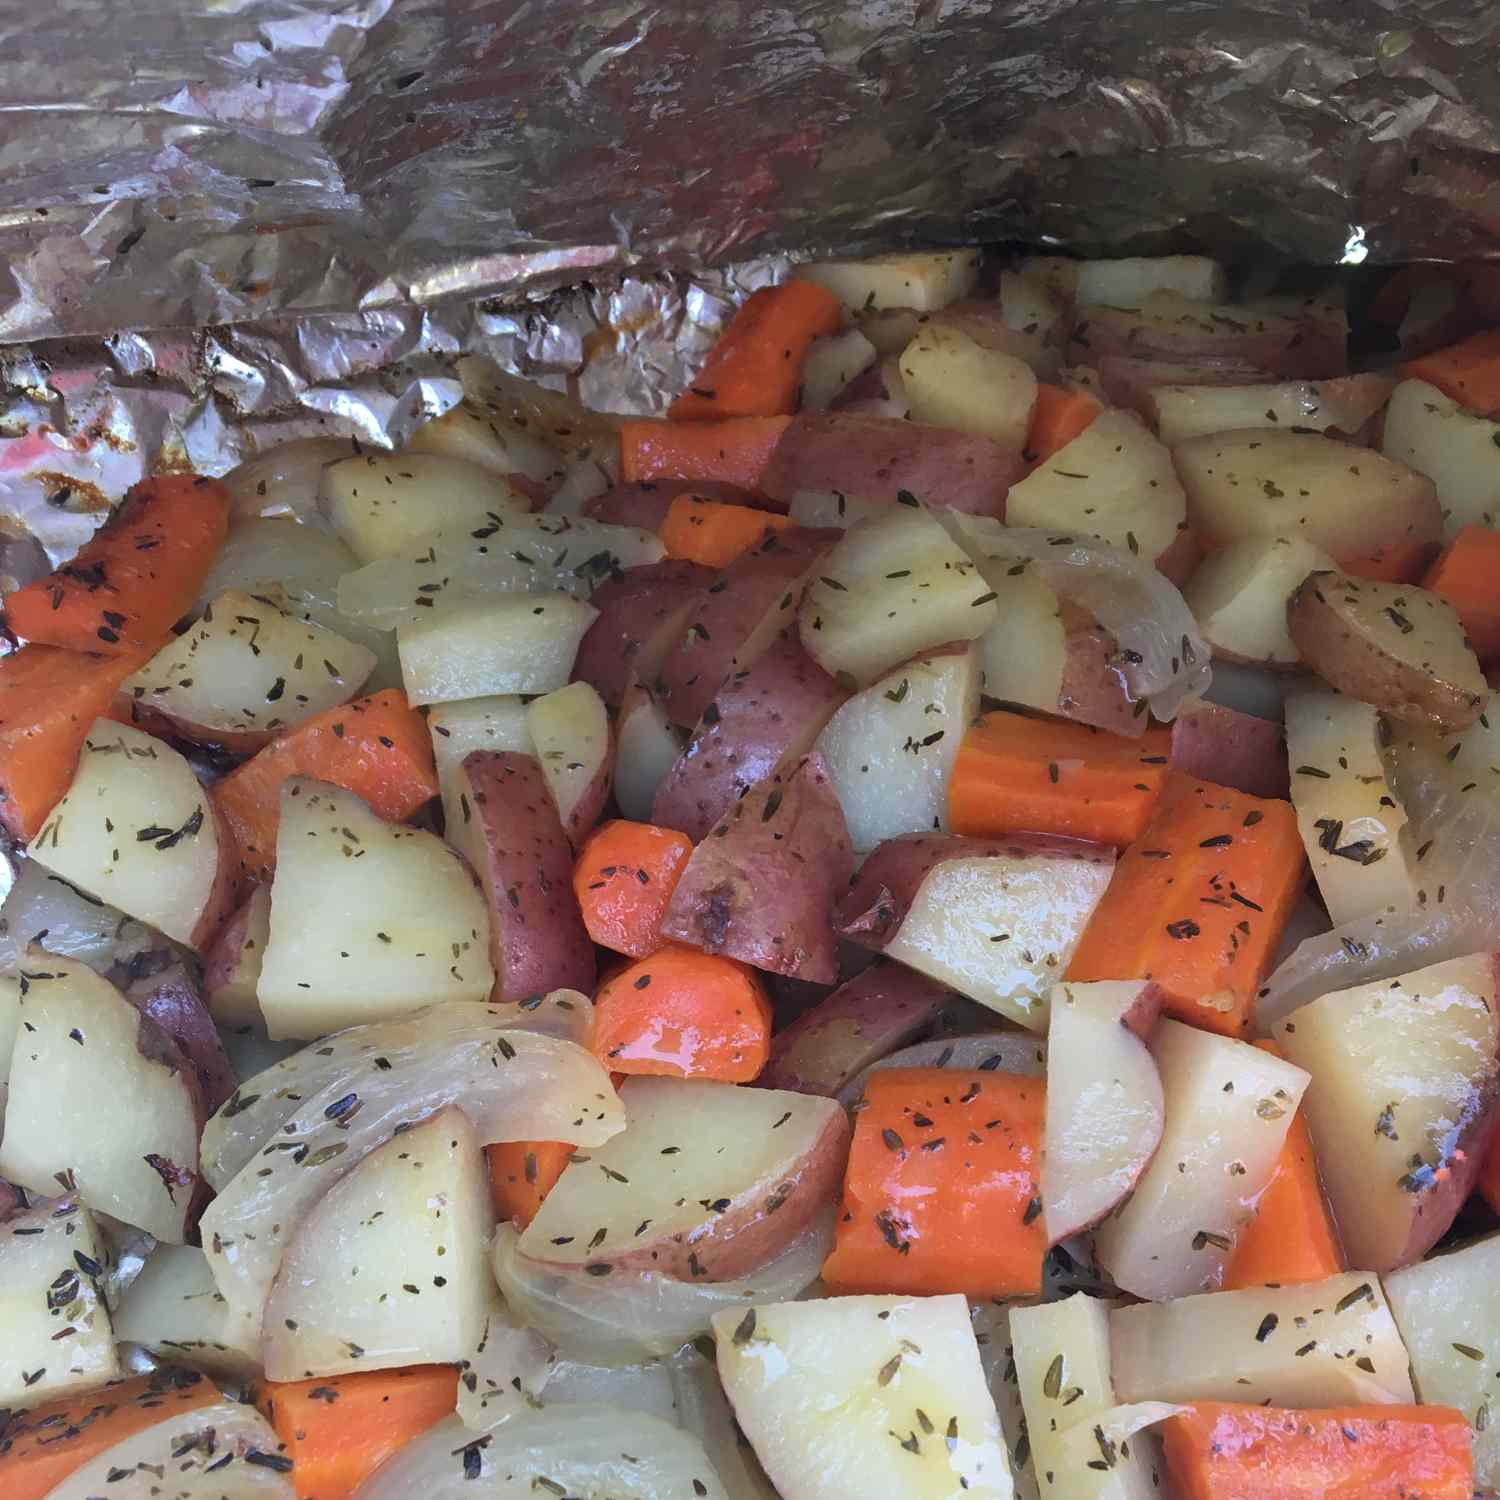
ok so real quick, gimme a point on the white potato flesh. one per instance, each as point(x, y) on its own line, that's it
point(1061, 1354)
point(892, 588)
point(512, 1084)
point(231, 991)
point(86, 1102)
point(1025, 652)
point(522, 643)
point(1348, 500)
point(647, 745)
point(1105, 1111)
point(1039, 319)
point(57, 1329)
point(469, 432)
point(1114, 1457)
point(1344, 404)
point(1323, 1343)
point(509, 554)
point(952, 381)
point(1114, 481)
point(368, 919)
point(1347, 811)
point(1238, 596)
point(174, 1311)
point(831, 363)
point(1001, 928)
point(215, 1452)
point(391, 1266)
point(136, 830)
point(380, 503)
point(1433, 434)
point(1449, 1318)
point(1133, 278)
point(890, 749)
point(247, 670)
point(1403, 1071)
point(571, 741)
point(1228, 1108)
point(925, 280)
point(469, 724)
point(535, 411)
point(709, 1175)
point(872, 1396)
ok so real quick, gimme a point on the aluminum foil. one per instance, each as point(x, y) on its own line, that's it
point(322, 200)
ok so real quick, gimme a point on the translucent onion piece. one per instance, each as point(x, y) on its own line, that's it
point(553, 416)
point(266, 1101)
point(221, 1452)
point(514, 554)
point(625, 1317)
point(45, 907)
point(584, 1452)
point(1163, 657)
point(283, 481)
point(704, 1410)
point(512, 1085)
point(505, 1373)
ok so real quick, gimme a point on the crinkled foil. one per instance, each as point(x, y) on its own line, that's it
point(339, 193)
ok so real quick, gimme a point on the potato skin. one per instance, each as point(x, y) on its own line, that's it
point(1336, 623)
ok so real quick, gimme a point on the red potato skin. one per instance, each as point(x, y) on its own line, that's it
point(167, 726)
point(1222, 745)
point(1093, 689)
point(580, 820)
point(631, 608)
point(727, 614)
point(771, 712)
point(1435, 1210)
point(762, 886)
point(1128, 380)
point(538, 941)
point(646, 503)
point(224, 893)
point(875, 458)
point(222, 958)
point(883, 1008)
point(159, 985)
point(878, 899)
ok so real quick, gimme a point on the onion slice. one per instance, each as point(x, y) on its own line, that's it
point(284, 480)
point(625, 1317)
point(590, 1452)
point(1162, 656)
point(505, 1373)
point(221, 1452)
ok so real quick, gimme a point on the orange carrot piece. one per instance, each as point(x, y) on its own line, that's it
point(1291, 1239)
point(1218, 1450)
point(624, 879)
point(41, 1447)
point(1467, 575)
point(755, 369)
point(1468, 371)
point(522, 1173)
point(49, 699)
point(340, 1429)
point(713, 532)
point(683, 1013)
point(735, 451)
point(942, 1191)
point(136, 577)
point(1020, 775)
point(376, 747)
point(1198, 903)
point(1058, 417)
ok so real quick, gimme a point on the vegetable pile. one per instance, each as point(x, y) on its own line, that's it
point(925, 923)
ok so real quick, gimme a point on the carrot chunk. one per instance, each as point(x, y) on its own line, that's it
point(755, 368)
point(41, 1447)
point(1291, 1239)
point(522, 1173)
point(942, 1192)
point(1468, 371)
point(683, 1013)
point(1217, 1450)
point(1058, 417)
point(735, 451)
point(340, 1429)
point(376, 747)
point(1198, 903)
point(1467, 575)
point(136, 577)
point(624, 879)
point(1019, 775)
point(712, 532)
point(49, 699)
